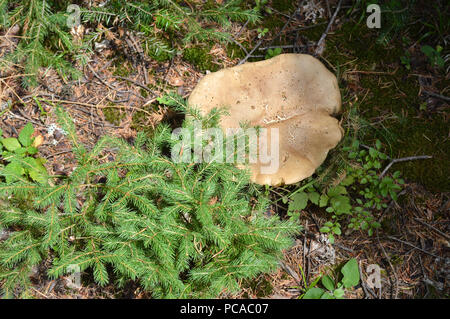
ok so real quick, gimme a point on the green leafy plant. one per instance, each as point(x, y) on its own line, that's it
point(262, 32)
point(272, 53)
point(333, 287)
point(17, 161)
point(434, 55)
point(307, 287)
point(186, 22)
point(357, 197)
point(46, 41)
point(181, 230)
point(261, 5)
point(406, 60)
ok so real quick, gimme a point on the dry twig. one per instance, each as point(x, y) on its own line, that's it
point(412, 246)
point(438, 96)
point(390, 264)
point(403, 159)
point(433, 228)
point(320, 45)
point(261, 41)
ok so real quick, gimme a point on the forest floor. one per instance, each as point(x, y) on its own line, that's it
point(392, 84)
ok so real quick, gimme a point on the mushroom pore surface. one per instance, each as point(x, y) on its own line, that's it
point(292, 92)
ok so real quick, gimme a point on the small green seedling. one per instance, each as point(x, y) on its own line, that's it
point(262, 32)
point(272, 52)
point(406, 60)
point(356, 199)
point(434, 55)
point(333, 288)
point(307, 287)
point(262, 5)
point(38, 102)
point(17, 159)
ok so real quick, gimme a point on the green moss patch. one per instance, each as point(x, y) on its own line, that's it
point(199, 56)
point(234, 51)
point(113, 115)
point(389, 98)
point(120, 65)
point(283, 5)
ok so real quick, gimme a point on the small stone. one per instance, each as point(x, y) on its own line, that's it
point(4, 234)
point(57, 134)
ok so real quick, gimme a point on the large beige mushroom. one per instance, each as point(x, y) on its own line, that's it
point(292, 92)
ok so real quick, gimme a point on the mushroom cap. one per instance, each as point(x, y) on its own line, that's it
point(292, 92)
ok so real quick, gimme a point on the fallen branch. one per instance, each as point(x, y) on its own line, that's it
point(137, 83)
point(100, 79)
point(433, 228)
point(390, 264)
point(250, 53)
point(320, 45)
point(240, 45)
point(261, 41)
point(290, 272)
point(403, 159)
point(372, 72)
point(415, 247)
point(104, 106)
point(363, 284)
point(438, 96)
point(288, 46)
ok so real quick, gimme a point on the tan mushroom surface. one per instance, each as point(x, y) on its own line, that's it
point(292, 92)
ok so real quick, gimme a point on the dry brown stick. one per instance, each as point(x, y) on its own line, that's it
point(103, 106)
point(304, 255)
point(433, 228)
point(13, 91)
point(436, 95)
point(287, 46)
point(24, 118)
point(233, 38)
point(239, 45)
point(241, 29)
point(137, 83)
point(278, 12)
point(403, 159)
point(250, 53)
point(286, 24)
point(290, 272)
point(117, 101)
point(26, 97)
point(372, 72)
point(261, 41)
point(363, 283)
point(319, 47)
point(59, 153)
point(100, 79)
point(343, 247)
point(328, 8)
point(437, 285)
point(110, 86)
point(390, 264)
point(16, 76)
point(412, 246)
